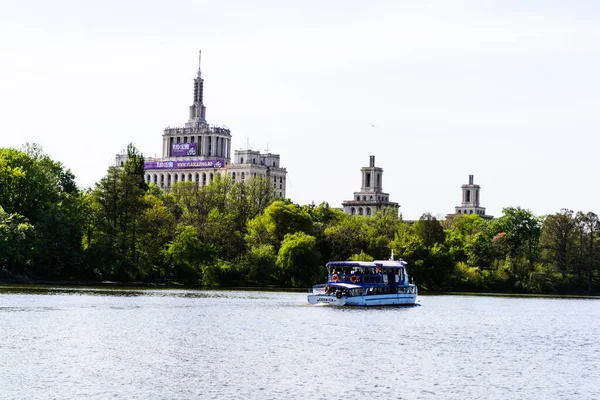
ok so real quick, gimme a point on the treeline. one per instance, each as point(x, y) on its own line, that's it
point(238, 234)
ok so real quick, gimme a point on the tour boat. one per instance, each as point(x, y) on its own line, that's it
point(359, 283)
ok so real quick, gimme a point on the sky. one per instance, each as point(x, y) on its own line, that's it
point(507, 91)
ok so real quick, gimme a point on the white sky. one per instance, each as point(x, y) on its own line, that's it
point(505, 90)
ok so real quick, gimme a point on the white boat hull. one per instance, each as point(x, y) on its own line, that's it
point(370, 300)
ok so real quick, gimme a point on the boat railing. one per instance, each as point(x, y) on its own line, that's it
point(355, 278)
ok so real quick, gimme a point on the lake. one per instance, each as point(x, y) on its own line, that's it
point(86, 343)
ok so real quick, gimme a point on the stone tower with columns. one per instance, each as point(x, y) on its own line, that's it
point(371, 197)
point(470, 201)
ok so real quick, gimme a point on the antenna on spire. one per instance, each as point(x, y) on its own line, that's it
point(267, 149)
point(199, 58)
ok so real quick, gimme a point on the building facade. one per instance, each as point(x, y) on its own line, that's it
point(470, 201)
point(197, 151)
point(371, 197)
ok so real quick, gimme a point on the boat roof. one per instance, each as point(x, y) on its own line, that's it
point(368, 264)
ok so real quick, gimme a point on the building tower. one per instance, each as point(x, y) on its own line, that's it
point(197, 109)
point(371, 197)
point(470, 201)
point(197, 138)
point(197, 152)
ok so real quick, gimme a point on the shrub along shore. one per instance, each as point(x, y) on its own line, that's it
point(237, 234)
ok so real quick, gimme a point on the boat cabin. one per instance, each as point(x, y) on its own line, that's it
point(362, 273)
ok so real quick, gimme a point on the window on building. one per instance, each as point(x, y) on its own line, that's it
point(352, 211)
point(254, 161)
point(273, 163)
point(368, 210)
point(243, 176)
point(178, 139)
point(185, 139)
point(367, 180)
point(470, 211)
point(360, 211)
point(364, 198)
point(197, 178)
point(371, 198)
point(190, 176)
point(211, 177)
point(378, 180)
point(191, 139)
point(468, 196)
point(357, 198)
point(204, 179)
point(242, 160)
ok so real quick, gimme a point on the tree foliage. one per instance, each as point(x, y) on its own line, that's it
point(239, 233)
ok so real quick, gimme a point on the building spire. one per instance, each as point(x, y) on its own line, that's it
point(197, 109)
point(200, 63)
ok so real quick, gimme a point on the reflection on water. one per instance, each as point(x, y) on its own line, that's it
point(137, 343)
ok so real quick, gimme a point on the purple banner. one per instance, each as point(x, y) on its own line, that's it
point(184, 149)
point(193, 164)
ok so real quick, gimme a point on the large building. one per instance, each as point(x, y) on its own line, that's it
point(197, 151)
point(470, 201)
point(371, 197)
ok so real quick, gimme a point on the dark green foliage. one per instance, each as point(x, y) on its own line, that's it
point(239, 234)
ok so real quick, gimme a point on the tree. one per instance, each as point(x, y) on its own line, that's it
point(187, 254)
point(278, 219)
point(346, 238)
point(589, 226)
point(40, 190)
point(558, 241)
point(298, 260)
point(429, 229)
point(14, 230)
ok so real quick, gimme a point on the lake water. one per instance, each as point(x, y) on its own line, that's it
point(75, 343)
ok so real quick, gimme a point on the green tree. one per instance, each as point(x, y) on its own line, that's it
point(346, 238)
point(589, 226)
point(187, 255)
point(558, 241)
point(429, 229)
point(278, 219)
point(262, 265)
point(298, 260)
point(14, 230)
point(44, 193)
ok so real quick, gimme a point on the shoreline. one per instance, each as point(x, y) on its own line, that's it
point(41, 284)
